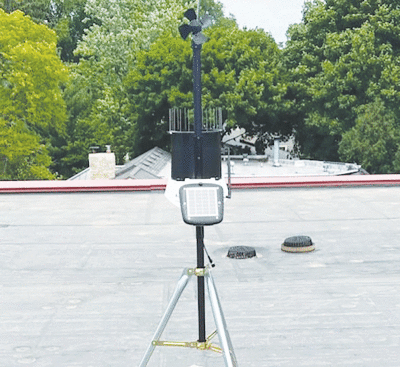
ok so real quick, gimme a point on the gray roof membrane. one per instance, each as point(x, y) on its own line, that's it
point(86, 277)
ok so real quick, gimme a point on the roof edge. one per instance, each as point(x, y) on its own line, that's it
point(315, 181)
point(15, 187)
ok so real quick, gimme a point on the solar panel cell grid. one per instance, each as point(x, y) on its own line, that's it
point(202, 202)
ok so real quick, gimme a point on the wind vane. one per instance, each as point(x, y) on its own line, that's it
point(195, 27)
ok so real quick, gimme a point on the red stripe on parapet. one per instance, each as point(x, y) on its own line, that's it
point(315, 181)
point(14, 187)
point(81, 186)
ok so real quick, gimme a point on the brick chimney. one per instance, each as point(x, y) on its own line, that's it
point(102, 165)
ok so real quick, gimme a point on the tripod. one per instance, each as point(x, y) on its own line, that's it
point(204, 278)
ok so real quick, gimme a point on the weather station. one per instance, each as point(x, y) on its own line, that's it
point(197, 187)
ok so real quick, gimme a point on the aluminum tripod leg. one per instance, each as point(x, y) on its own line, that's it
point(219, 319)
point(182, 283)
point(222, 330)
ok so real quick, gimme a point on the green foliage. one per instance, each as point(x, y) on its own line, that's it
point(374, 141)
point(22, 157)
point(162, 76)
point(336, 84)
point(212, 8)
point(40, 11)
point(30, 98)
point(240, 74)
point(123, 28)
point(343, 56)
point(71, 25)
point(106, 53)
point(67, 17)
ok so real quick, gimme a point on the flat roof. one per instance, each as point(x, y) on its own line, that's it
point(262, 166)
point(86, 277)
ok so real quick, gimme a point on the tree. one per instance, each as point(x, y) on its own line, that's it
point(122, 28)
point(374, 141)
point(31, 103)
point(344, 55)
point(67, 17)
point(212, 8)
point(22, 157)
point(71, 25)
point(40, 11)
point(240, 74)
point(106, 53)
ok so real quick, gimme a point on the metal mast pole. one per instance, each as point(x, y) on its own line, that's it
point(200, 285)
point(197, 109)
point(198, 127)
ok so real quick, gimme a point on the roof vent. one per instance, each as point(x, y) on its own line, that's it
point(298, 244)
point(277, 141)
point(241, 252)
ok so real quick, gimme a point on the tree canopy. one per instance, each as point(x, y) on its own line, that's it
point(341, 58)
point(32, 110)
point(241, 74)
point(67, 17)
point(335, 85)
point(107, 53)
point(374, 140)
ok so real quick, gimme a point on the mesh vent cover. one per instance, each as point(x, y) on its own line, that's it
point(241, 252)
point(298, 244)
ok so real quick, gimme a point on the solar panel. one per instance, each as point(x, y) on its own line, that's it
point(201, 204)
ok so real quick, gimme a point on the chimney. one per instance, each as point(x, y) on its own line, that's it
point(102, 165)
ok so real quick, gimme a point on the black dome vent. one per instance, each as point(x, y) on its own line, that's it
point(298, 244)
point(241, 252)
